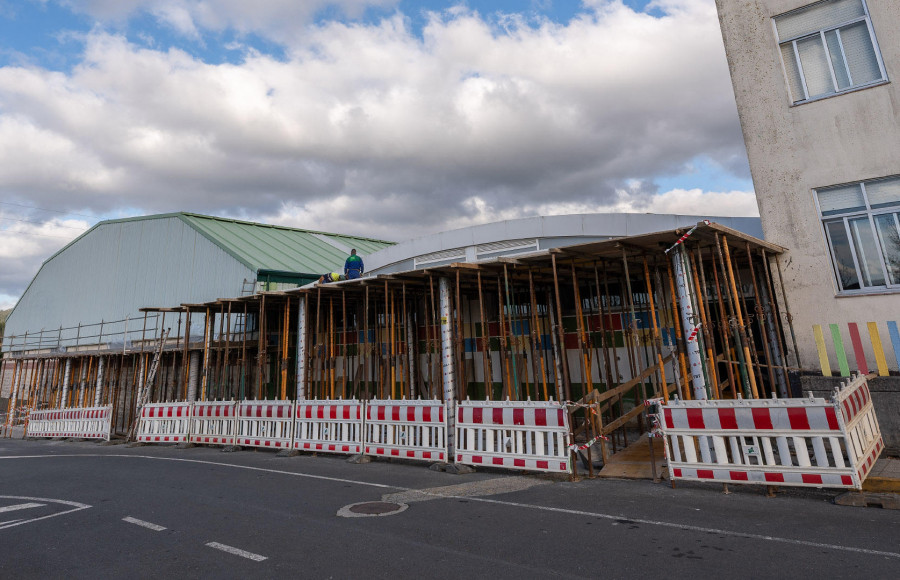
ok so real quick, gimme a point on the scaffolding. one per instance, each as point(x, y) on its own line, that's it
point(603, 327)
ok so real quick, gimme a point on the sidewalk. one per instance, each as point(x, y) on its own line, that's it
point(884, 477)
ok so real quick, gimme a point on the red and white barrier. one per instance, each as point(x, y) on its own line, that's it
point(406, 429)
point(530, 435)
point(265, 424)
point(83, 423)
point(213, 422)
point(800, 442)
point(860, 424)
point(330, 426)
point(165, 423)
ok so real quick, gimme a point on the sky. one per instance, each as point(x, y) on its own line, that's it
point(381, 118)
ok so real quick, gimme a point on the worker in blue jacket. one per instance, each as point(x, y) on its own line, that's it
point(353, 267)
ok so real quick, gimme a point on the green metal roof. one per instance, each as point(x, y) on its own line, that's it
point(268, 247)
point(263, 246)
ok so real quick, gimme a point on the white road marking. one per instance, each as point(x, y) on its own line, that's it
point(143, 524)
point(13, 523)
point(731, 533)
point(21, 506)
point(237, 552)
point(247, 467)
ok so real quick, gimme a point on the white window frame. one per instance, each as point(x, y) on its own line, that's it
point(838, 91)
point(845, 218)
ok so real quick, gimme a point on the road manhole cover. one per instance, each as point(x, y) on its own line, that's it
point(371, 509)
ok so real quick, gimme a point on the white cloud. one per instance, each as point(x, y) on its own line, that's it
point(25, 244)
point(372, 130)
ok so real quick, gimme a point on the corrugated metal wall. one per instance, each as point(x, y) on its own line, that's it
point(120, 267)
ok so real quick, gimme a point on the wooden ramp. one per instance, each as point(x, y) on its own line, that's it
point(633, 462)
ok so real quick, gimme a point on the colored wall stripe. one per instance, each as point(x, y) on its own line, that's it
point(895, 338)
point(880, 359)
point(858, 351)
point(823, 354)
point(839, 350)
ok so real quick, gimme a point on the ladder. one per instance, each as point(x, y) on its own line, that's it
point(144, 392)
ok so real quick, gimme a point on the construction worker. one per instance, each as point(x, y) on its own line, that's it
point(353, 267)
point(331, 277)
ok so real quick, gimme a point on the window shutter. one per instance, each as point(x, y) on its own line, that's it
point(860, 54)
point(820, 16)
point(837, 60)
point(883, 192)
point(841, 199)
point(815, 66)
point(793, 73)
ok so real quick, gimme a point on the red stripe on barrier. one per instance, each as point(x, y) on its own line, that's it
point(441, 414)
point(677, 472)
point(738, 475)
point(497, 461)
point(727, 419)
point(426, 414)
point(811, 478)
point(497, 416)
point(476, 459)
point(668, 417)
point(380, 413)
point(761, 418)
point(477, 415)
point(540, 417)
point(831, 417)
point(705, 474)
point(797, 417)
point(774, 477)
point(541, 464)
point(695, 419)
point(411, 414)
point(518, 463)
point(846, 480)
point(395, 413)
point(518, 416)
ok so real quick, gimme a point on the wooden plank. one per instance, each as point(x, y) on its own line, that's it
point(858, 351)
point(630, 415)
point(824, 363)
point(626, 386)
point(895, 339)
point(839, 350)
point(880, 360)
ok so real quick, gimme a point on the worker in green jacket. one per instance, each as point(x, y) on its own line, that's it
point(353, 267)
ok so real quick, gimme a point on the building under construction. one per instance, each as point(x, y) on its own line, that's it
point(694, 311)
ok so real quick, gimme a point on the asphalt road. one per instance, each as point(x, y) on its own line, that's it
point(82, 510)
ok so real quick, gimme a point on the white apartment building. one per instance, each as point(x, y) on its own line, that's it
point(819, 104)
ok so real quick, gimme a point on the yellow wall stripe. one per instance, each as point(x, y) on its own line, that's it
point(880, 359)
point(823, 354)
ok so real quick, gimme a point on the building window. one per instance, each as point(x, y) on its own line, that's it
point(828, 48)
point(862, 225)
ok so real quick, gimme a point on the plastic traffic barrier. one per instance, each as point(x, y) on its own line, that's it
point(265, 424)
point(807, 442)
point(329, 426)
point(83, 423)
point(529, 435)
point(406, 429)
point(165, 423)
point(213, 422)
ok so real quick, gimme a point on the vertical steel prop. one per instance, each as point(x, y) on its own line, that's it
point(689, 319)
point(301, 349)
point(447, 362)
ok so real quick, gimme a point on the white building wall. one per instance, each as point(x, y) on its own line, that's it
point(795, 149)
